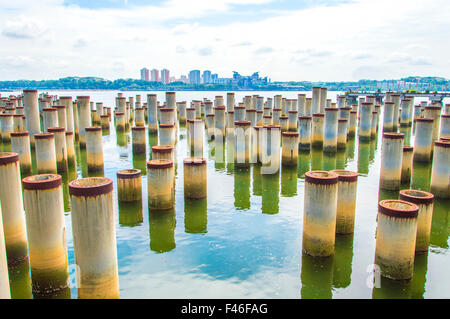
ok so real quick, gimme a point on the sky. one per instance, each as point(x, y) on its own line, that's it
point(286, 40)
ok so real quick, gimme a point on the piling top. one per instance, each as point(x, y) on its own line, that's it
point(42, 182)
point(292, 112)
point(331, 109)
point(318, 115)
point(119, 113)
point(65, 98)
point(393, 136)
point(159, 163)
point(92, 128)
point(6, 115)
point(190, 109)
point(425, 119)
point(345, 176)
point(220, 108)
point(43, 136)
point(445, 139)
point(8, 157)
point(129, 173)
point(321, 177)
point(342, 120)
point(105, 115)
point(290, 134)
point(445, 116)
point(167, 125)
point(23, 133)
point(18, 115)
point(284, 117)
point(83, 97)
point(442, 143)
point(251, 110)
point(56, 129)
point(138, 128)
point(276, 110)
point(267, 116)
point(398, 208)
point(242, 123)
point(59, 106)
point(29, 91)
point(435, 108)
point(49, 109)
point(209, 115)
point(162, 149)
point(272, 127)
point(408, 148)
point(90, 186)
point(416, 196)
point(69, 133)
point(304, 117)
point(190, 121)
point(167, 109)
point(194, 161)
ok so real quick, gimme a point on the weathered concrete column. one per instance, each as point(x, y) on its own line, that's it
point(440, 173)
point(301, 101)
point(242, 143)
point(423, 141)
point(391, 161)
point(365, 122)
point(195, 177)
point(330, 134)
point(195, 135)
point(84, 117)
point(210, 126)
point(170, 99)
point(46, 232)
point(444, 126)
point(304, 128)
point(139, 119)
point(395, 98)
point(317, 130)
point(160, 177)
point(308, 107)
point(292, 120)
point(60, 148)
point(70, 144)
point(31, 111)
point(62, 115)
point(407, 164)
point(18, 123)
point(289, 151)
point(120, 121)
point(396, 238)
point(20, 144)
point(167, 116)
point(342, 133)
point(405, 119)
point(276, 114)
point(67, 102)
point(104, 122)
point(267, 120)
point(45, 153)
point(94, 148)
point(424, 201)
point(346, 201)
point(4, 277)
point(129, 188)
point(50, 118)
point(152, 109)
point(433, 112)
point(319, 213)
point(7, 127)
point(14, 229)
point(163, 152)
point(284, 123)
point(197, 105)
point(259, 117)
point(219, 122)
point(94, 238)
point(231, 101)
point(323, 99)
point(315, 104)
point(182, 112)
point(138, 140)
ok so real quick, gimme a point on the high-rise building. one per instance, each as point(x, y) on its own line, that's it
point(194, 77)
point(144, 74)
point(155, 75)
point(214, 78)
point(165, 77)
point(206, 76)
point(184, 79)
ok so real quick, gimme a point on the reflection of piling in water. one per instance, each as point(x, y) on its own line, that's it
point(241, 188)
point(129, 187)
point(317, 130)
point(289, 153)
point(195, 178)
point(210, 126)
point(319, 219)
point(396, 238)
point(160, 178)
point(138, 139)
point(20, 144)
point(130, 213)
point(342, 261)
point(304, 127)
point(46, 233)
point(423, 141)
point(330, 134)
point(94, 149)
point(195, 216)
point(424, 201)
point(162, 230)
point(346, 201)
point(270, 184)
point(45, 153)
point(242, 132)
point(407, 164)
point(440, 181)
point(94, 238)
point(4, 277)
point(391, 161)
point(289, 181)
point(60, 148)
point(316, 277)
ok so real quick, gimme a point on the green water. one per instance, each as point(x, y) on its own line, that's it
point(245, 239)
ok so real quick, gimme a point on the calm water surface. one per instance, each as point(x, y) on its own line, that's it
point(245, 239)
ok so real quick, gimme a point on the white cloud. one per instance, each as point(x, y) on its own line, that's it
point(23, 27)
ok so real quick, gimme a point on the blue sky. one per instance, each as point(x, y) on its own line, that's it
point(283, 39)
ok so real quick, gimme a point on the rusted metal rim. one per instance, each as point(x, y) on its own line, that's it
point(90, 186)
point(209, 115)
point(169, 93)
point(408, 148)
point(398, 208)
point(159, 163)
point(442, 143)
point(220, 108)
point(30, 91)
point(318, 115)
point(284, 118)
point(267, 116)
point(304, 117)
point(49, 109)
point(445, 116)
point(425, 119)
point(194, 161)
point(290, 134)
point(69, 133)
point(167, 109)
point(393, 136)
point(257, 127)
point(43, 136)
point(18, 115)
point(129, 173)
point(276, 110)
point(272, 126)
point(139, 109)
point(6, 115)
point(331, 109)
point(432, 107)
point(416, 196)
point(321, 177)
point(65, 98)
point(42, 181)
point(104, 116)
point(353, 112)
point(59, 106)
point(192, 121)
point(345, 175)
point(138, 128)
point(239, 107)
point(167, 125)
point(8, 157)
point(162, 149)
point(292, 111)
point(445, 139)
point(121, 98)
point(56, 129)
point(83, 97)
point(242, 123)
point(92, 128)
point(151, 95)
point(342, 120)
point(119, 113)
point(24, 133)
point(251, 110)
point(345, 108)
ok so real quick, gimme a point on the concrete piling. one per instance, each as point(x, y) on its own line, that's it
point(50, 118)
point(391, 161)
point(289, 151)
point(152, 113)
point(20, 144)
point(31, 111)
point(4, 277)
point(407, 162)
point(167, 134)
point(195, 177)
point(342, 133)
point(138, 139)
point(7, 127)
point(317, 130)
point(330, 135)
point(129, 188)
point(365, 122)
point(440, 180)
point(304, 127)
point(94, 149)
point(423, 142)
point(60, 148)
point(160, 177)
point(84, 117)
point(45, 153)
point(346, 201)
